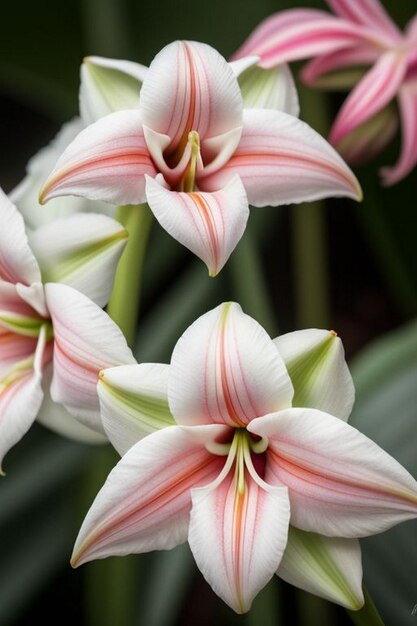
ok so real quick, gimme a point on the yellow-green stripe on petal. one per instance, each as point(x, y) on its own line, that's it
point(315, 361)
point(133, 402)
point(329, 567)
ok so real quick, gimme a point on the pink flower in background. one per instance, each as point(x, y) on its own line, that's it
point(197, 156)
point(239, 461)
point(361, 35)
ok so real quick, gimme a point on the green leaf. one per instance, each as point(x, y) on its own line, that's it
point(385, 376)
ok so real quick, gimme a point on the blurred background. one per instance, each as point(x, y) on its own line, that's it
point(334, 264)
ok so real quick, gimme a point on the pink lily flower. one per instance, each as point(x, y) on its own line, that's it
point(197, 156)
point(240, 463)
point(53, 330)
point(362, 35)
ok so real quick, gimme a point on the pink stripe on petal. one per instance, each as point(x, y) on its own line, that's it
point(407, 100)
point(299, 33)
point(238, 538)
point(146, 500)
point(14, 348)
point(281, 160)
point(356, 56)
point(208, 224)
point(226, 369)
point(107, 161)
point(190, 86)
point(369, 13)
point(376, 89)
point(340, 482)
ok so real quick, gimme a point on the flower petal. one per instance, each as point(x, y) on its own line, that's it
point(369, 139)
point(145, 503)
point(190, 86)
point(21, 396)
point(369, 13)
point(269, 89)
point(329, 567)
point(25, 195)
point(314, 72)
point(340, 482)
point(133, 402)
point(17, 262)
point(281, 160)
point(238, 539)
point(302, 33)
point(106, 161)
point(376, 89)
point(407, 101)
point(208, 224)
point(56, 418)
point(81, 251)
point(109, 85)
point(86, 341)
point(14, 348)
point(315, 360)
point(226, 369)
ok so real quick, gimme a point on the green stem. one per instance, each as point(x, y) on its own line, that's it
point(311, 281)
point(368, 615)
point(123, 306)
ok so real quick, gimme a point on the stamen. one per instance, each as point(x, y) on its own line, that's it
point(188, 182)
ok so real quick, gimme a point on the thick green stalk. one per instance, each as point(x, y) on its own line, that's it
point(368, 615)
point(123, 306)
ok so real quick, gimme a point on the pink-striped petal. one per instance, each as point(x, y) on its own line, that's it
point(376, 89)
point(17, 262)
point(368, 140)
point(21, 396)
point(14, 348)
point(407, 101)
point(86, 341)
point(208, 224)
point(313, 73)
point(226, 369)
point(369, 13)
point(238, 537)
point(106, 161)
point(145, 503)
point(281, 160)
point(328, 567)
point(302, 33)
point(340, 483)
point(190, 86)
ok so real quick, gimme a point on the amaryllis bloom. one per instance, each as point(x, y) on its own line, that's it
point(197, 156)
point(361, 36)
point(44, 324)
point(240, 462)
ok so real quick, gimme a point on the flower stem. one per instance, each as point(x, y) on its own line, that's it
point(123, 306)
point(368, 615)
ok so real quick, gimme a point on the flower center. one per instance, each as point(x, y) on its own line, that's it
point(187, 182)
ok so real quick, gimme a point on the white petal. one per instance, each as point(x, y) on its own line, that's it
point(86, 341)
point(238, 539)
point(145, 503)
point(57, 419)
point(208, 224)
point(25, 195)
point(328, 567)
point(17, 262)
point(269, 89)
point(81, 251)
point(109, 85)
point(340, 483)
point(134, 402)
point(315, 360)
point(226, 369)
